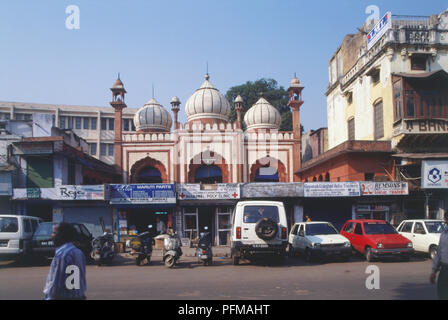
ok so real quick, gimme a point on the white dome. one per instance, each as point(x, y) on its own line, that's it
point(262, 115)
point(152, 117)
point(207, 102)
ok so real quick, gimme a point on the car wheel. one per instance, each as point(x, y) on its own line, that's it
point(236, 260)
point(432, 252)
point(368, 254)
point(308, 255)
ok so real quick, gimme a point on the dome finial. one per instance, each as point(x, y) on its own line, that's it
point(207, 76)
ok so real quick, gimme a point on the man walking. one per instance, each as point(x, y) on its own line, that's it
point(440, 264)
point(161, 226)
point(66, 279)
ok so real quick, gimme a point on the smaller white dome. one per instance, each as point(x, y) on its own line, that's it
point(152, 117)
point(263, 115)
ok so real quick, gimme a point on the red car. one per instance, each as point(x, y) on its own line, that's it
point(376, 239)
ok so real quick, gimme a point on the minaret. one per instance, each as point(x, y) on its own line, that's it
point(295, 102)
point(239, 102)
point(175, 103)
point(118, 95)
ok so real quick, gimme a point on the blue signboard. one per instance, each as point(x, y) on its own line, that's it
point(380, 29)
point(142, 194)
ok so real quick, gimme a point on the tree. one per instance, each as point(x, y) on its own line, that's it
point(250, 92)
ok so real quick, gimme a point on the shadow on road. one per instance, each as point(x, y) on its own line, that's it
point(413, 291)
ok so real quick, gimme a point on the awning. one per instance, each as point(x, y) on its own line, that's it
point(422, 75)
point(422, 156)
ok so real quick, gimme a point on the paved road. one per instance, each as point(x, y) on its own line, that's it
point(294, 280)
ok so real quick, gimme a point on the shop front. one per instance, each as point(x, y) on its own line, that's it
point(208, 206)
point(138, 205)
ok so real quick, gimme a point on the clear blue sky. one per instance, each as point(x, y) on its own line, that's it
point(169, 42)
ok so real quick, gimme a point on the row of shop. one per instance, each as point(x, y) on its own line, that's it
point(188, 208)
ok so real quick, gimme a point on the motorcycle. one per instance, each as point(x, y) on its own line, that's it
point(103, 249)
point(204, 248)
point(172, 248)
point(141, 246)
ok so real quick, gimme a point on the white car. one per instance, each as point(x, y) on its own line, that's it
point(424, 234)
point(318, 239)
point(15, 235)
point(258, 228)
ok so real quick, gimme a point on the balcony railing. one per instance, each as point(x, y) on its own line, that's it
point(410, 21)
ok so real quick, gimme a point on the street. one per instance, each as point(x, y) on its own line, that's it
point(295, 280)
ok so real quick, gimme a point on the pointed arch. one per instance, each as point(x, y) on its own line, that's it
point(145, 164)
point(198, 162)
point(268, 162)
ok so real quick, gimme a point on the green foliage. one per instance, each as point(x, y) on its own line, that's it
point(250, 92)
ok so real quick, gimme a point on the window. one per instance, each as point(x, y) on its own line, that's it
point(407, 227)
point(103, 124)
point(103, 149)
point(9, 224)
point(419, 229)
point(110, 150)
point(253, 214)
point(397, 100)
point(34, 224)
point(69, 123)
point(378, 228)
point(28, 227)
point(358, 229)
point(71, 173)
point(301, 231)
point(294, 229)
point(316, 229)
point(93, 124)
point(111, 124)
point(77, 123)
point(410, 107)
point(86, 123)
point(351, 129)
point(62, 122)
point(349, 227)
point(126, 124)
point(418, 62)
point(378, 118)
point(132, 125)
point(369, 176)
point(93, 149)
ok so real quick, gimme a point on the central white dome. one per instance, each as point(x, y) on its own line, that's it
point(207, 102)
point(152, 117)
point(263, 115)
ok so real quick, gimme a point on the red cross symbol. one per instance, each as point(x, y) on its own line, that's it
point(182, 195)
point(235, 195)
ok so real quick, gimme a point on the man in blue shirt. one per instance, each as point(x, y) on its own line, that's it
point(67, 277)
point(440, 264)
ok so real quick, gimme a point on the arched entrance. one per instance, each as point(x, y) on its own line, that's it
point(208, 168)
point(268, 169)
point(148, 170)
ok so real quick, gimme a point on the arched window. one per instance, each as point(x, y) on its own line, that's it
point(327, 177)
point(321, 178)
point(266, 174)
point(208, 174)
point(314, 179)
point(149, 175)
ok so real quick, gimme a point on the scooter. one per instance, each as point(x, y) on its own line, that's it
point(173, 251)
point(103, 249)
point(204, 248)
point(141, 246)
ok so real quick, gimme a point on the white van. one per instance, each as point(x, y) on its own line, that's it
point(15, 235)
point(258, 227)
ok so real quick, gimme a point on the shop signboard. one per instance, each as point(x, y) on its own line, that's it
point(379, 30)
point(272, 190)
point(142, 194)
point(384, 188)
point(95, 192)
point(435, 174)
point(220, 191)
point(331, 189)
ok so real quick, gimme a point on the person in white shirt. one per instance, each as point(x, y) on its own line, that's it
point(161, 226)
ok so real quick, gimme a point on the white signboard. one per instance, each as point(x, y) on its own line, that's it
point(380, 29)
point(435, 174)
point(384, 188)
point(95, 192)
point(331, 189)
point(219, 191)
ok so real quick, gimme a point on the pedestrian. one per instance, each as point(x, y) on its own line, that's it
point(440, 265)
point(66, 279)
point(161, 226)
point(307, 219)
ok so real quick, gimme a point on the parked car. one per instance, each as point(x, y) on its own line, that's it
point(376, 239)
point(43, 245)
point(15, 235)
point(424, 234)
point(258, 228)
point(318, 239)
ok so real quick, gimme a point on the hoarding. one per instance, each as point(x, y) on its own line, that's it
point(279, 190)
point(331, 189)
point(70, 192)
point(142, 193)
point(379, 30)
point(214, 192)
point(435, 174)
point(384, 188)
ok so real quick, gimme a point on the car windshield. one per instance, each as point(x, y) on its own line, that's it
point(253, 214)
point(315, 229)
point(378, 228)
point(45, 229)
point(8, 224)
point(435, 226)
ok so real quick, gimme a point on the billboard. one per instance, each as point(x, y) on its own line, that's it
point(220, 191)
point(142, 193)
point(384, 188)
point(331, 189)
point(379, 30)
point(435, 174)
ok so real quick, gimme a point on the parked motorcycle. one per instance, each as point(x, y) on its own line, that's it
point(141, 246)
point(103, 250)
point(173, 251)
point(204, 248)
